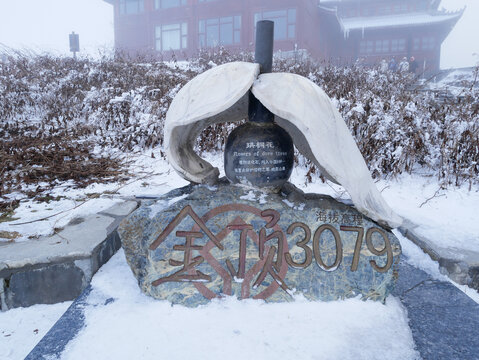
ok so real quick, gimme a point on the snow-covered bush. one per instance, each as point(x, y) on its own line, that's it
point(399, 128)
point(121, 104)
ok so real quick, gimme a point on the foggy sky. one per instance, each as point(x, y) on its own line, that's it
point(461, 47)
point(44, 25)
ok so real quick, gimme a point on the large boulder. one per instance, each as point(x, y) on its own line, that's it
point(202, 242)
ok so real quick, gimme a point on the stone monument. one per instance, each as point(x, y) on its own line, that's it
point(255, 235)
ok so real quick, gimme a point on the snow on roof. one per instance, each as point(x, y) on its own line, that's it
point(396, 20)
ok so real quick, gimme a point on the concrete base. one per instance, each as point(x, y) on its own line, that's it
point(460, 265)
point(58, 268)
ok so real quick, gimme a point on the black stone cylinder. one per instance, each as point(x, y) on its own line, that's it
point(264, 57)
point(264, 45)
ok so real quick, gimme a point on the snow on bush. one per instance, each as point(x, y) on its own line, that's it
point(107, 104)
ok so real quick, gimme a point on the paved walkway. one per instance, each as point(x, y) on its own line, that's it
point(444, 321)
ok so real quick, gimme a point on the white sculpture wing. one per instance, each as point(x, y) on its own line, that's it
point(320, 133)
point(217, 95)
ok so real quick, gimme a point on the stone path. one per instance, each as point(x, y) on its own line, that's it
point(444, 321)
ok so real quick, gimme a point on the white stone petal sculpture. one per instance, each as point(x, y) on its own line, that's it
point(301, 108)
point(319, 132)
point(217, 95)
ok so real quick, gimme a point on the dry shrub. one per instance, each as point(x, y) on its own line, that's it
point(29, 157)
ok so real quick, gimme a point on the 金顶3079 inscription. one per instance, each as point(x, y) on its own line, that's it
point(270, 242)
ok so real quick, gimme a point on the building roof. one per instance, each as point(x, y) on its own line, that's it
point(333, 4)
point(110, 1)
point(397, 20)
point(330, 2)
point(336, 2)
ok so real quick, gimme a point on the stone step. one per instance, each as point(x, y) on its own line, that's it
point(58, 268)
point(462, 266)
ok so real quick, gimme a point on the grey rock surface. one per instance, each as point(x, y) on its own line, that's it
point(202, 242)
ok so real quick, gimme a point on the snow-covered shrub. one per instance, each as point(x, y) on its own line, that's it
point(121, 104)
point(399, 128)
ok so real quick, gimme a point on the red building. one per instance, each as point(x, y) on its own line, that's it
point(340, 30)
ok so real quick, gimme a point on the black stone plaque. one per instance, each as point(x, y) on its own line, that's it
point(259, 154)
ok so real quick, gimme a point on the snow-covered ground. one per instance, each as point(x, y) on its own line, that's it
point(21, 329)
point(135, 326)
point(447, 217)
point(153, 177)
point(456, 81)
point(350, 329)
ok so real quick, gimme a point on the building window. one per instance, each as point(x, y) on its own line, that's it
point(384, 10)
point(368, 11)
point(400, 8)
point(351, 13)
point(382, 46)
point(284, 22)
point(398, 45)
point(362, 47)
point(366, 47)
point(428, 43)
point(421, 6)
point(166, 4)
point(131, 6)
point(416, 44)
point(219, 31)
point(171, 37)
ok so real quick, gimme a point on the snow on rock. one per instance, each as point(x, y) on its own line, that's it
point(33, 217)
point(161, 205)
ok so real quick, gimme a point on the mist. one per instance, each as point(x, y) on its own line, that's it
point(43, 26)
